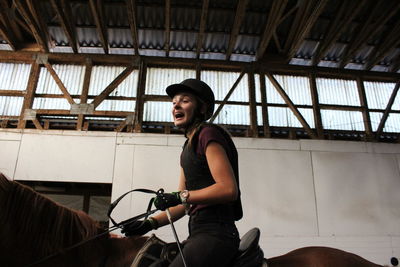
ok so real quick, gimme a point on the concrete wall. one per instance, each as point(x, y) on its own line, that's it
point(299, 193)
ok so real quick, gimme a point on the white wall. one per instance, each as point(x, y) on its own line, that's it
point(299, 193)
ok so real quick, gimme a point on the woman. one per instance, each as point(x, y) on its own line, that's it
point(209, 183)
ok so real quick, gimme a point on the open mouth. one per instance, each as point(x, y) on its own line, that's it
point(179, 115)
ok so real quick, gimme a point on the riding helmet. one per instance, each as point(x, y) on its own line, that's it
point(199, 88)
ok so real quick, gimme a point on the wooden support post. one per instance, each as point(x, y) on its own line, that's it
point(316, 108)
point(365, 110)
point(30, 93)
point(140, 97)
point(252, 104)
point(85, 92)
point(264, 106)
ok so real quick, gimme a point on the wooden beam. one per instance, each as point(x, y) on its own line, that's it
point(387, 111)
point(291, 105)
point(343, 18)
point(202, 28)
point(388, 44)
point(59, 83)
point(111, 87)
point(274, 18)
point(239, 16)
point(264, 106)
point(65, 21)
point(85, 92)
point(12, 93)
point(365, 110)
point(379, 14)
point(216, 113)
point(23, 8)
point(167, 26)
point(6, 26)
point(311, 13)
point(252, 104)
point(138, 121)
point(316, 106)
point(30, 92)
point(10, 22)
point(95, 7)
point(131, 11)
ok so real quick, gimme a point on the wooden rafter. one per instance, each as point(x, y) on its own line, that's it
point(10, 19)
point(59, 83)
point(228, 95)
point(390, 42)
point(65, 21)
point(7, 28)
point(291, 105)
point(347, 11)
point(380, 14)
point(387, 110)
point(96, 9)
point(24, 9)
point(274, 18)
point(131, 11)
point(167, 26)
point(395, 64)
point(38, 17)
point(309, 13)
point(239, 16)
point(111, 87)
point(202, 28)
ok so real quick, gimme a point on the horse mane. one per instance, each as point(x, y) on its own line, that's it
point(44, 226)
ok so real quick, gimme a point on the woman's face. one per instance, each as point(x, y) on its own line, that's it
point(183, 109)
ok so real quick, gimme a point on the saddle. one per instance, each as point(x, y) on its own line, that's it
point(157, 253)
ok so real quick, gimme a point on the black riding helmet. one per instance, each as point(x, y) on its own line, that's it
point(199, 88)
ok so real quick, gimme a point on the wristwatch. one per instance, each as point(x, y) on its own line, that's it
point(184, 196)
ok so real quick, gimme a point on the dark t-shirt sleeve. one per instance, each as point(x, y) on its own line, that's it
point(211, 134)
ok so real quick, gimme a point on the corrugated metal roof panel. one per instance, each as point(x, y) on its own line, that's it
point(52, 103)
point(102, 76)
point(157, 111)
point(342, 120)
point(392, 124)
point(117, 105)
point(158, 79)
point(221, 82)
point(71, 75)
point(284, 117)
point(10, 105)
point(14, 76)
point(337, 92)
point(296, 87)
point(233, 114)
point(378, 95)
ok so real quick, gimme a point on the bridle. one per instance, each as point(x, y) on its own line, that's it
point(115, 226)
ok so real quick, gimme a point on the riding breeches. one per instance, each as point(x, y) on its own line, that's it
point(209, 244)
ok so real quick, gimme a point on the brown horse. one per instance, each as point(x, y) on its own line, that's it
point(35, 231)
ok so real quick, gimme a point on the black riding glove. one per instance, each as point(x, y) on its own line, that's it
point(140, 227)
point(164, 201)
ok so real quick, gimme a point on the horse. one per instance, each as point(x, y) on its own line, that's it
point(36, 231)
